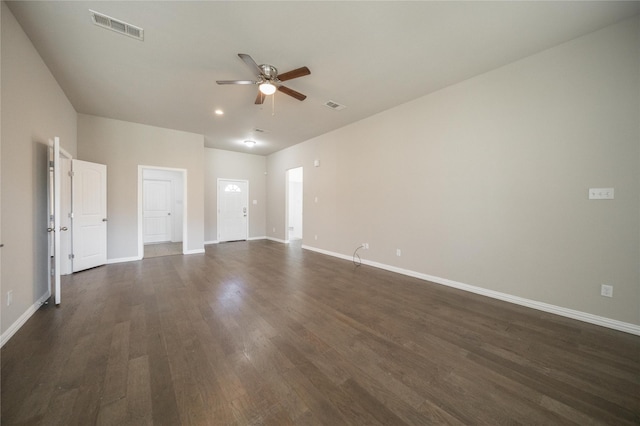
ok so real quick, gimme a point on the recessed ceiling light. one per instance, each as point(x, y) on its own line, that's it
point(219, 112)
point(250, 143)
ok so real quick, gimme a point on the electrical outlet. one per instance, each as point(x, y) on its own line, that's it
point(398, 252)
point(606, 290)
point(274, 229)
point(315, 237)
point(9, 297)
point(601, 193)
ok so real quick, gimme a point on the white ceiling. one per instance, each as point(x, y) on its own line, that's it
point(369, 56)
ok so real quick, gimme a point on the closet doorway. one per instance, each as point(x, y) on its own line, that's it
point(161, 211)
point(294, 204)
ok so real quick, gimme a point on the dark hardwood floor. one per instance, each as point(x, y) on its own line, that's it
point(259, 332)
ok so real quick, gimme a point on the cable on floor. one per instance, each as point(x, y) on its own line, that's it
point(356, 255)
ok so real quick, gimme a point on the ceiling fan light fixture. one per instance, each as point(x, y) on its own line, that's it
point(250, 143)
point(267, 88)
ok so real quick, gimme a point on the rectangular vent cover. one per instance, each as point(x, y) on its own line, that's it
point(334, 105)
point(116, 25)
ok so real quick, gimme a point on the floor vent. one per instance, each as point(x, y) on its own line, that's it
point(112, 24)
point(334, 105)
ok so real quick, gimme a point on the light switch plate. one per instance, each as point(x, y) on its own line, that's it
point(601, 193)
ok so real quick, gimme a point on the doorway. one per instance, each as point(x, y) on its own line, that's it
point(294, 203)
point(233, 210)
point(162, 226)
point(77, 216)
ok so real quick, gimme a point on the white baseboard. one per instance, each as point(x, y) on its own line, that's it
point(276, 240)
point(123, 259)
point(248, 239)
point(541, 306)
point(196, 251)
point(23, 319)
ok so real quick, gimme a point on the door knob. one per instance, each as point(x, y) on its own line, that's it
point(168, 214)
point(50, 230)
point(64, 228)
point(104, 219)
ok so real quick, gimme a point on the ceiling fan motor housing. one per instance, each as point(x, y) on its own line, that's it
point(269, 71)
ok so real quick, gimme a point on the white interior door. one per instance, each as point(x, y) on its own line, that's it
point(54, 218)
point(89, 206)
point(233, 201)
point(65, 216)
point(294, 203)
point(157, 205)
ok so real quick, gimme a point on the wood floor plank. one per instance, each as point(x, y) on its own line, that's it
point(115, 387)
point(266, 333)
point(139, 392)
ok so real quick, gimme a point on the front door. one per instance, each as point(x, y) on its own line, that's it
point(156, 211)
point(89, 207)
point(233, 205)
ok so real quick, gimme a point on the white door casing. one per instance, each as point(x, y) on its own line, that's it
point(89, 202)
point(157, 209)
point(182, 195)
point(233, 209)
point(53, 227)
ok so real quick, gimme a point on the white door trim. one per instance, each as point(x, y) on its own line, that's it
point(185, 234)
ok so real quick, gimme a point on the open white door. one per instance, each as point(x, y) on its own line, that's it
point(89, 207)
point(64, 164)
point(53, 227)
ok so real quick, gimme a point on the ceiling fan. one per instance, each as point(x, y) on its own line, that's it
point(269, 80)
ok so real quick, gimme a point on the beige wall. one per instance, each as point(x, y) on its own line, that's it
point(123, 146)
point(34, 110)
point(220, 164)
point(485, 182)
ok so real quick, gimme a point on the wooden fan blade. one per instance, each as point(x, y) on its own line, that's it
point(260, 98)
point(300, 72)
point(299, 96)
point(250, 62)
point(236, 82)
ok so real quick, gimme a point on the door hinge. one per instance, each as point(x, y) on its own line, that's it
point(70, 215)
point(71, 174)
point(51, 164)
point(72, 256)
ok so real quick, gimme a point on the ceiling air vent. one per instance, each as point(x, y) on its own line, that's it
point(334, 105)
point(112, 24)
